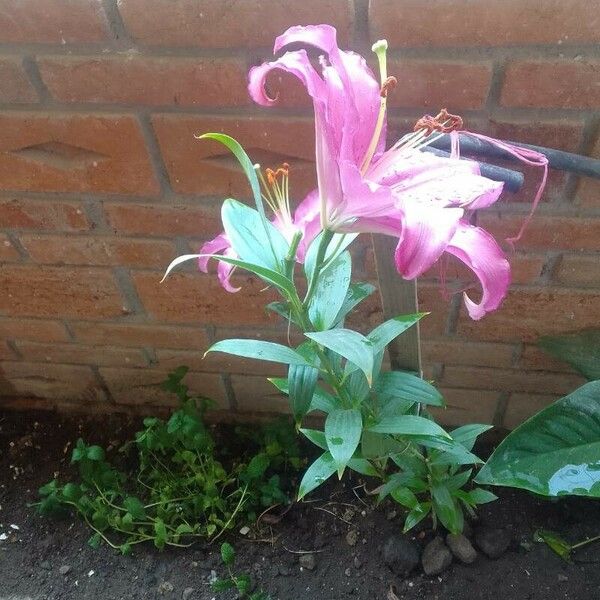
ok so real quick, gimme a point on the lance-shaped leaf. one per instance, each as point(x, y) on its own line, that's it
point(406, 386)
point(383, 334)
point(260, 350)
point(408, 425)
point(321, 400)
point(343, 429)
point(581, 350)
point(556, 452)
point(356, 293)
point(321, 470)
point(339, 242)
point(350, 344)
point(302, 381)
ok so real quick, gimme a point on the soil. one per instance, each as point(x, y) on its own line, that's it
point(49, 559)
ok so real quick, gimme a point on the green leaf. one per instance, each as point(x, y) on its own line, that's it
point(416, 515)
point(257, 466)
point(330, 292)
point(127, 522)
point(408, 425)
point(95, 453)
point(446, 508)
point(95, 541)
point(250, 239)
point(403, 496)
point(135, 507)
point(316, 437)
point(184, 529)
point(302, 382)
point(221, 585)
point(227, 554)
point(356, 293)
point(556, 452)
point(71, 492)
point(339, 242)
point(322, 400)
point(468, 434)
point(481, 496)
point(362, 466)
point(350, 344)
point(243, 584)
point(581, 350)
point(382, 335)
point(321, 470)
point(160, 534)
point(343, 429)
point(554, 541)
point(406, 386)
point(259, 350)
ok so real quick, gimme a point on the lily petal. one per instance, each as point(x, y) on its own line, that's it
point(214, 246)
point(479, 251)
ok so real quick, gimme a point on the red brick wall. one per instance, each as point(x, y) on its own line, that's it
point(102, 184)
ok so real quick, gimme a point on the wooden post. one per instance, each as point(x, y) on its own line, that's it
point(398, 297)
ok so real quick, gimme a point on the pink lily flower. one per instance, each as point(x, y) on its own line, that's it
point(421, 199)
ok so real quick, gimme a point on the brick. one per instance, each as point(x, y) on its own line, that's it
point(6, 352)
point(588, 190)
point(407, 23)
point(58, 292)
point(432, 85)
point(52, 22)
point(147, 81)
point(15, 87)
point(579, 271)
point(526, 315)
point(199, 299)
point(78, 354)
point(134, 335)
point(544, 232)
point(536, 359)
point(206, 167)
point(41, 215)
point(466, 406)
point(49, 381)
point(510, 380)
point(522, 406)
point(160, 220)
point(8, 253)
point(37, 330)
point(74, 153)
point(254, 393)
point(142, 387)
point(238, 23)
point(99, 251)
point(551, 84)
point(464, 352)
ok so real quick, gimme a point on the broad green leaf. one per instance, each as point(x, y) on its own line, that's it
point(362, 466)
point(227, 554)
point(330, 292)
point(321, 470)
point(379, 445)
point(406, 386)
point(249, 239)
point(356, 293)
point(408, 425)
point(481, 496)
point(322, 400)
point(350, 344)
point(95, 453)
point(415, 516)
point(342, 433)
point(448, 452)
point(316, 437)
point(259, 350)
point(403, 496)
point(468, 434)
point(382, 335)
point(339, 242)
point(357, 387)
point(302, 382)
point(556, 452)
point(446, 508)
point(458, 481)
point(581, 350)
point(135, 507)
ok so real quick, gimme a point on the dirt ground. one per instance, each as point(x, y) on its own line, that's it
point(44, 558)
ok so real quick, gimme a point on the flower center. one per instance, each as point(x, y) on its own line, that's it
point(275, 192)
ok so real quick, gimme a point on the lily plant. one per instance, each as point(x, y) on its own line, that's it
point(376, 421)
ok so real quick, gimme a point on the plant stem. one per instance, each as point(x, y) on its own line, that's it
point(585, 542)
point(326, 237)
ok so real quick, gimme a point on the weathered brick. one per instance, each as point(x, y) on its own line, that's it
point(534, 358)
point(467, 406)
point(525, 315)
point(544, 232)
point(142, 386)
point(239, 23)
point(49, 381)
point(551, 84)
point(24, 213)
point(52, 21)
point(74, 153)
point(254, 393)
point(37, 330)
point(579, 271)
point(98, 251)
point(135, 335)
point(588, 190)
point(465, 352)
point(78, 354)
point(160, 220)
point(15, 87)
point(510, 380)
point(522, 406)
point(197, 298)
point(58, 292)
point(6, 352)
point(8, 253)
point(433, 84)
point(206, 167)
point(408, 23)
point(146, 81)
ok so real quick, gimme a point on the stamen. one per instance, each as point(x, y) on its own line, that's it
point(389, 84)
